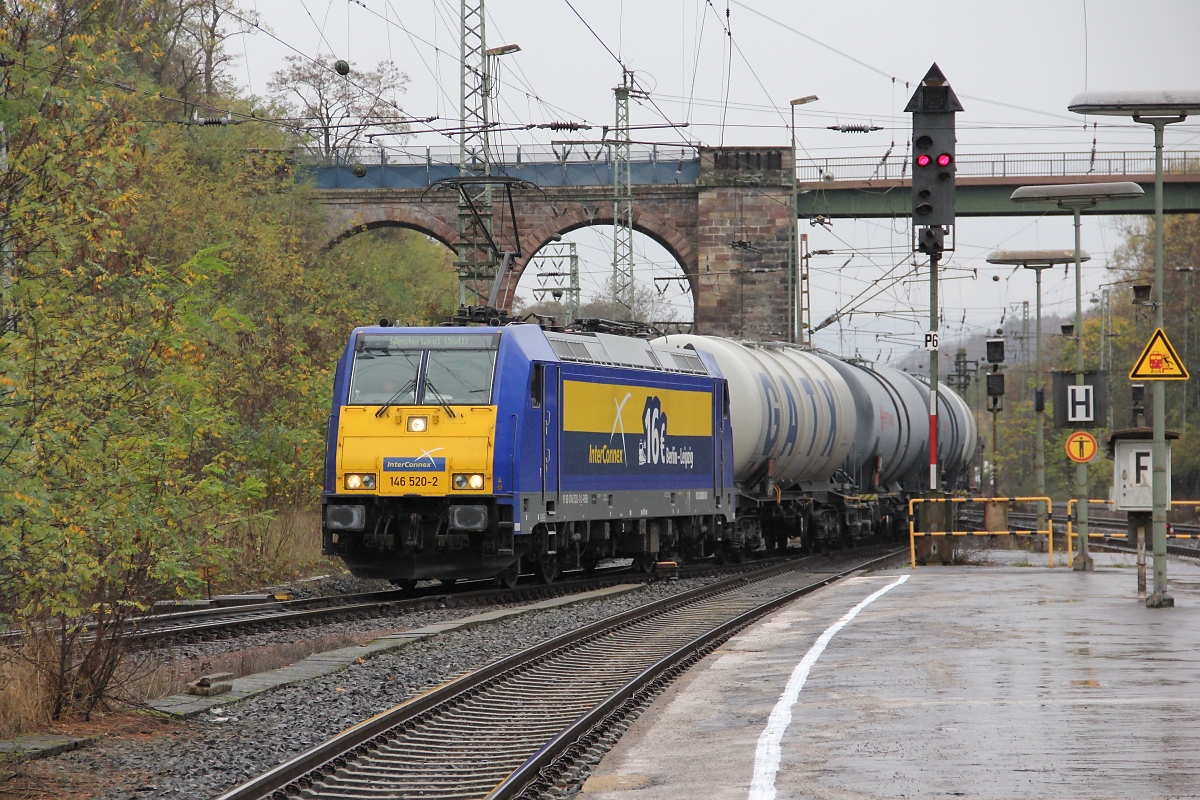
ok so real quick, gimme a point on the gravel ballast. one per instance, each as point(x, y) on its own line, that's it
point(228, 745)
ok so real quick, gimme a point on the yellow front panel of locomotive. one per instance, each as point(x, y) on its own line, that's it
point(417, 450)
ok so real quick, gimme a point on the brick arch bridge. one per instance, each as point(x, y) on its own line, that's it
point(727, 227)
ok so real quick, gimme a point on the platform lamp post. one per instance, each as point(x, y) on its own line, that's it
point(1075, 197)
point(1159, 109)
point(794, 233)
point(1038, 260)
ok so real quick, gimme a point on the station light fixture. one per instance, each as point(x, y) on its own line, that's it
point(1158, 103)
point(1082, 195)
point(503, 50)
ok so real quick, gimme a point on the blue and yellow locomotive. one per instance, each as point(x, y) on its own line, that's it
point(471, 452)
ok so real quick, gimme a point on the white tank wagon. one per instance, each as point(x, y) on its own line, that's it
point(792, 414)
point(958, 434)
point(830, 447)
point(892, 439)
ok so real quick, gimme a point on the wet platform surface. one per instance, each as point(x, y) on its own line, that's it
point(980, 682)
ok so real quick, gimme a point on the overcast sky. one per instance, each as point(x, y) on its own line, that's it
point(1014, 64)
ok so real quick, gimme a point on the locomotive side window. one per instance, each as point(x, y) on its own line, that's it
point(535, 385)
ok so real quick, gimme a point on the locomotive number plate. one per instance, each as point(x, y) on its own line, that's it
point(409, 481)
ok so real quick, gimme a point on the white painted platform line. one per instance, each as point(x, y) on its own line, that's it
point(766, 758)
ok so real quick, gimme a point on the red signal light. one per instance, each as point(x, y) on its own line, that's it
point(944, 160)
point(923, 160)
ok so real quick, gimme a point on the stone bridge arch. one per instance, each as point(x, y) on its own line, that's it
point(582, 215)
point(346, 219)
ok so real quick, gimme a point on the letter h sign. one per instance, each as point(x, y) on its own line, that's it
point(1080, 404)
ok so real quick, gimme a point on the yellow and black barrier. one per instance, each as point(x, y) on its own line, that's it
point(1071, 534)
point(913, 533)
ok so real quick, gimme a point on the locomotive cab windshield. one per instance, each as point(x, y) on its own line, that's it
point(445, 370)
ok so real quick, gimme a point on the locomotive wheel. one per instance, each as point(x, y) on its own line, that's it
point(508, 578)
point(404, 584)
point(644, 563)
point(547, 569)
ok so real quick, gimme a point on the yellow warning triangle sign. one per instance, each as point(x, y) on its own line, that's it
point(1159, 361)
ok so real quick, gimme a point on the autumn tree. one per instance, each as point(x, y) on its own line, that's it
point(101, 505)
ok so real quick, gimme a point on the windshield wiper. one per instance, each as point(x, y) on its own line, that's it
point(408, 387)
point(429, 387)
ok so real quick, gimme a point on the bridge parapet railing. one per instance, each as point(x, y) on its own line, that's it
point(1045, 506)
point(502, 155)
point(1003, 165)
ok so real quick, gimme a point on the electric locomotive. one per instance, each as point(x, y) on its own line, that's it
point(460, 452)
point(469, 452)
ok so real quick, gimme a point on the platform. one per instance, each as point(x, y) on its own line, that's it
point(989, 682)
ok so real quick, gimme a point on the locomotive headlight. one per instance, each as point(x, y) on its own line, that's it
point(360, 480)
point(418, 424)
point(468, 480)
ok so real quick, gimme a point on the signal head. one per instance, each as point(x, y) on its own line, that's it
point(944, 160)
point(923, 160)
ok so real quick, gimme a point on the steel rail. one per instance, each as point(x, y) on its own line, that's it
point(281, 614)
point(536, 774)
point(1121, 545)
point(215, 623)
point(302, 773)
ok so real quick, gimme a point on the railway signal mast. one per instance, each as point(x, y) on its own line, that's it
point(933, 107)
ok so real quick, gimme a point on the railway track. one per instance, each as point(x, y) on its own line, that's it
point(510, 729)
point(1098, 524)
point(210, 624)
